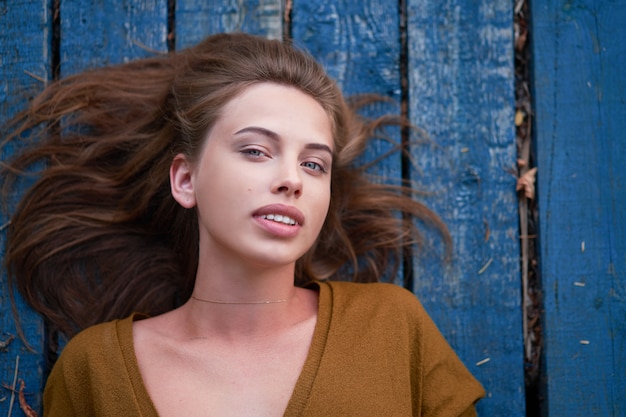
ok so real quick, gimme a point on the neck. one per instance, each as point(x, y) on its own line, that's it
point(231, 300)
point(237, 284)
point(253, 322)
point(240, 302)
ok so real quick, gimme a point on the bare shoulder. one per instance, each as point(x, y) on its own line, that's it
point(155, 336)
point(154, 326)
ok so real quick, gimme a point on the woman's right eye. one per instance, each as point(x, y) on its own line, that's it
point(253, 152)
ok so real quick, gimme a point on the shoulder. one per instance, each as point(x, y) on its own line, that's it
point(374, 295)
point(90, 361)
point(375, 303)
point(93, 356)
point(383, 309)
point(388, 323)
point(97, 336)
point(366, 289)
point(90, 347)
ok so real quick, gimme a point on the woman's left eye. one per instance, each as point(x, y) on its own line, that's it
point(313, 166)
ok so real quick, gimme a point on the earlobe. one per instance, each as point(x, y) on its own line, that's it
point(181, 181)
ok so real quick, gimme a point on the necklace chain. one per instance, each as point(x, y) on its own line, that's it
point(240, 302)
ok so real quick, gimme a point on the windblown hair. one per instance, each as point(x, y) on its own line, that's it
point(99, 234)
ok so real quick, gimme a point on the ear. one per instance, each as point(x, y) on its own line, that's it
point(181, 181)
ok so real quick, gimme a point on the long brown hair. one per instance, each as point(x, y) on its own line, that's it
point(99, 235)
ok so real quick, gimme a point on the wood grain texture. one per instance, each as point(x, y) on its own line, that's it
point(25, 32)
point(110, 32)
point(93, 34)
point(580, 100)
point(196, 19)
point(461, 94)
point(359, 45)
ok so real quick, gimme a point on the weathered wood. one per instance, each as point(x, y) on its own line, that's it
point(25, 32)
point(93, 34)
point(106, 32)
point(579, 60)
point(196, 19)
point(359, 45)
point(461, 94)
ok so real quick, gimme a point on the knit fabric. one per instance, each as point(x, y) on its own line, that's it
point(375, 352)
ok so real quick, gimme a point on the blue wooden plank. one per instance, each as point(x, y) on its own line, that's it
point(25, 38)
point(359, 45)
point(461, 93)
point(196, 19)
point(93, 34)
point(579, 90)
point(110, 32)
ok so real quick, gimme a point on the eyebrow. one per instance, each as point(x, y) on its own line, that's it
point(276, 137)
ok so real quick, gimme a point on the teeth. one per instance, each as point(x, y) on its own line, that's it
point(280, 219)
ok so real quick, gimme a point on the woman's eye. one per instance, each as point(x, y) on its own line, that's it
point(255, 153)
point(313, 166)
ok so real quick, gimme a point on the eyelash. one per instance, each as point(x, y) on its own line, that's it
point(258, 153)
point(318, 167)
point(253, 152)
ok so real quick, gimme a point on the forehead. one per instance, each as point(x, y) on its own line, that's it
point(283, 109)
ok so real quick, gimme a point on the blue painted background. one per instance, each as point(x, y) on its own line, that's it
point(580, 99)
point(455, 73)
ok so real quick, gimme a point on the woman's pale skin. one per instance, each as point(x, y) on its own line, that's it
point(270, 152)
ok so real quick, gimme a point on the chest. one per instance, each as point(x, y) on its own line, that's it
point(213, 379)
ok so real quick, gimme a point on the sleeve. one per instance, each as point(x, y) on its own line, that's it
point(470, 412)
point(94, 378)
point(443, 386)
point(89, 377)
point(65, 386)
point(56, 397)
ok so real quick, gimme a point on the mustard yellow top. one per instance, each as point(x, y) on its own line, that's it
point(375, 352)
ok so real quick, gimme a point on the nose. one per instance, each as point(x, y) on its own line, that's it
point(288, 181)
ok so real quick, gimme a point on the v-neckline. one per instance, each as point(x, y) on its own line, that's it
point(304, 385)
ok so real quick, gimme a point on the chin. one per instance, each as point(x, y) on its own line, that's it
point(275, 260)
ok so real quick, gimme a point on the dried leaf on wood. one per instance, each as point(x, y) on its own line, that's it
point(527, 183)
point(28, 411)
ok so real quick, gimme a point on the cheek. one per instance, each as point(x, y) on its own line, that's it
point(323, 204)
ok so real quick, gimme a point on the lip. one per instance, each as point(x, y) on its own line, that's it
point(283, 210)
point(279, 229)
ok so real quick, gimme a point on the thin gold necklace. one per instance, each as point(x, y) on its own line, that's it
point(284, 300)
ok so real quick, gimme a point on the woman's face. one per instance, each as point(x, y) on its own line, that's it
point(262, 182)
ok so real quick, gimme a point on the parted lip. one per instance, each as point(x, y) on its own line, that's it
point(281, 209)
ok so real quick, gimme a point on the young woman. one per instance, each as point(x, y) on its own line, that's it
point(204, 209)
